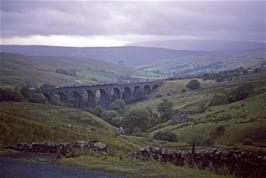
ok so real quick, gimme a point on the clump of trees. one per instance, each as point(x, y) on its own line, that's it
point(225, 75)
point(21, 94)
point(98, 110)
point(165, 136)
point(165, 110)
point(119, 106)
point(193, 84)
point(136, 120)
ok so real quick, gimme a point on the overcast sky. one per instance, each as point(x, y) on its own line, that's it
point(82, 23)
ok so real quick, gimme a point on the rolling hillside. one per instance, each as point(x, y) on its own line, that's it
point(17, 69)
point(214, 62)
point(151, 62)
point(241, 120)
point(128, 55)
point(29, 122)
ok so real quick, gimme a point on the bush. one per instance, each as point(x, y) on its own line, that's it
point(136, 118)
point(118, 105)
point(193, 85)
point(109, 115)
point(165, 136)
point(98, 110)
point(116, 121)
point(165, 109)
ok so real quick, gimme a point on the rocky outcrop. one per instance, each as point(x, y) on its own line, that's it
point(236, 162)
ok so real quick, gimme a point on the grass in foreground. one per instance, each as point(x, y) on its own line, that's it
point(29, 122)
point(138, 168)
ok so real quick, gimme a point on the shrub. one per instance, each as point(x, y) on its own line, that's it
point(109, 115)
point(98, 110)
point(165, 136)
point(165, 109)
point(136, 118)
point(193, 84)
point(118, 105)
point(116, 121)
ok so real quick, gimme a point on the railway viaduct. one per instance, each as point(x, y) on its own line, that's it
point(92, 95)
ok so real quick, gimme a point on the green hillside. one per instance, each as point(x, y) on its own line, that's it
point(245, 119)
point(17, 69)
point(212, 62)
point(29, 122)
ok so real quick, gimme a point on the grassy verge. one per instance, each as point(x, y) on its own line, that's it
point(137, 168)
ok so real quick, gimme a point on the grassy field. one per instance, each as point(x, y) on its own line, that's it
point(137, 168)
point(191, 102)
point(28, 122)
point(241, 120)
point(17, 70)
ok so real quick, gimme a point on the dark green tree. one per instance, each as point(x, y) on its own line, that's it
point(137, 118)
point(119, 106)
point(98, 110)
point(109, 115)
point(165, 109)
point(193, 84)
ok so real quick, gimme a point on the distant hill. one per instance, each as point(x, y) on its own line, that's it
point(212, 62)
point(203, 45)
point(128, 55)
point(38, 64)
point(18, 69)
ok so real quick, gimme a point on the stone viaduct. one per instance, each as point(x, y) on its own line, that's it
point(92, 95)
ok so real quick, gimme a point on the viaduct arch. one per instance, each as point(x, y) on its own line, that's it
point(104, 95)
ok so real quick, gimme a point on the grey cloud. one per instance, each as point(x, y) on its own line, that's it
point(239, 20)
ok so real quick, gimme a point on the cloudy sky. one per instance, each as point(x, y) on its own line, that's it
point(87, 23)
